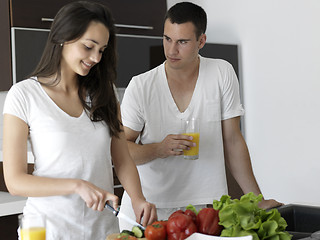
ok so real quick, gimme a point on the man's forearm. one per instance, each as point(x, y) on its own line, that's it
point(239, 163)
point(142, 154)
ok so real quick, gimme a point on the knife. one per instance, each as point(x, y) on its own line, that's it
point(123, 216)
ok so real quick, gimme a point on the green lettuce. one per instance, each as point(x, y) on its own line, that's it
point(243, 217)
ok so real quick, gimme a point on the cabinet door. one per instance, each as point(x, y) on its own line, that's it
point(35, 13)
point(5, 52)
point(143, 17)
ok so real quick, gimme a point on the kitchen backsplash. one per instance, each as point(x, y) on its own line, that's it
point(4, 94)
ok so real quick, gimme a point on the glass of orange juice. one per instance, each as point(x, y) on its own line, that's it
point(32, 227)
point(192, 128)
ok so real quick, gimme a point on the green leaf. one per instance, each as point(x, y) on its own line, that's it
point(225, 200)
point(192, 208)
point(243, 217)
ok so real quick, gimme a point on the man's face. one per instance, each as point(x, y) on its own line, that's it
point(180, 44)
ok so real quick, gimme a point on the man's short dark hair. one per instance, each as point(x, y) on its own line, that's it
point(188, 12)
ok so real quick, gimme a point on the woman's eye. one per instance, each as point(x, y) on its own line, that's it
point(88, 48)
point(102, 50)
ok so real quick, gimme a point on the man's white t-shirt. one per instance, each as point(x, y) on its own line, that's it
point(148, 106)
point(64, 147)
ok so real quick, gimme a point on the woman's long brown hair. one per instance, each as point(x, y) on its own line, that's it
point(70, 23)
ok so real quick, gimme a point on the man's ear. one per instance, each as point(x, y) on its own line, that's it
point(202, 40)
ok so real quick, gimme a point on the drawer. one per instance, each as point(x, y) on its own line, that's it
point(143, 17)
point(34, 13)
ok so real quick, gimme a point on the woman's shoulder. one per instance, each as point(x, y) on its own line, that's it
point(25, 85)
point(24, 89)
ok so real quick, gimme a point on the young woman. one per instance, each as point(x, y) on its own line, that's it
point(69, 112)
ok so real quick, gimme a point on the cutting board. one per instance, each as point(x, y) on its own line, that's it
point(115, 235)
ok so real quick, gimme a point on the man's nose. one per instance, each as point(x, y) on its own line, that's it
point(173, 49)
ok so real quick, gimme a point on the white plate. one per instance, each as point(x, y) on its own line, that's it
point(200, 236)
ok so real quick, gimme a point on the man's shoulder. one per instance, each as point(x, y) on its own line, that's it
point(216, 61)
point(149, 76)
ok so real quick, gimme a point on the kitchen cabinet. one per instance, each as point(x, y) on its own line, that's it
point(5, 46)
point(9, 226)
point(139, 17)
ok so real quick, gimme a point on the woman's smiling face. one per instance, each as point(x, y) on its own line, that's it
point(79, 56)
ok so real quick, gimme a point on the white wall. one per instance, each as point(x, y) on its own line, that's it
point(279, 44)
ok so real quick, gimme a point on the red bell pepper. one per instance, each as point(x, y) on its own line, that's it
point(208, 222)
point(180, 226)
point(192, 214)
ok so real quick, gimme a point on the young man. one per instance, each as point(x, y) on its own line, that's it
point(156, 102)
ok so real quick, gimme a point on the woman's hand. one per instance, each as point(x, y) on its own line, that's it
point(95, 197)
point(145, 210)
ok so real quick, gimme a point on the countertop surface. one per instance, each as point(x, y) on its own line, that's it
point(10, 205)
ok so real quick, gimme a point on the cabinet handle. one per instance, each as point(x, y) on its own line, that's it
point(134, 26)
point(46, 19)
point(117, 25)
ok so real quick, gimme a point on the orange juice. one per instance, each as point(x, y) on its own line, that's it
point(33, 233)
point(193, 152)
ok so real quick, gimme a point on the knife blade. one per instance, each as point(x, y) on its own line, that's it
point(118, 214)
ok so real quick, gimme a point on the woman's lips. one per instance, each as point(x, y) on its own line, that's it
point(87, 65)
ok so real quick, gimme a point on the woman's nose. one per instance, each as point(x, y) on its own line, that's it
point(95, 57)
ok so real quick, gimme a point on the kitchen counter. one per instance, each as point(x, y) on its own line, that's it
point(10, 205)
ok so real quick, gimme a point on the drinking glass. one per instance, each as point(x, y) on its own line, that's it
point(192, 128)
point(32, 227)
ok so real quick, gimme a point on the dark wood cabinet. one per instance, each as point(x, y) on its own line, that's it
point(138, 17)
point(5, 47)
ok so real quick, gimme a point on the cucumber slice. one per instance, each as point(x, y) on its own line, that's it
point(126, 233)
point(138, 232)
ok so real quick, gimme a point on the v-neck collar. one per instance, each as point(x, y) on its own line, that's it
point(55, 105)
point(170, 99)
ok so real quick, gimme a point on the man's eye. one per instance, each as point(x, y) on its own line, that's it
point(182, 42)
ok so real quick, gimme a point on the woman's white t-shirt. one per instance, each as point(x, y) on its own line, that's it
point(64, 147)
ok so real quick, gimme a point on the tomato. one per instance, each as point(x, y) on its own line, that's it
point(162, 222)
point(155, 232)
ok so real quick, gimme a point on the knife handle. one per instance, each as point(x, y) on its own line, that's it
point(109, 207)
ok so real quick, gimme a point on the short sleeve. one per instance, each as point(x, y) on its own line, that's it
point(231, 103)
point(131, 107)
point(16, 104)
